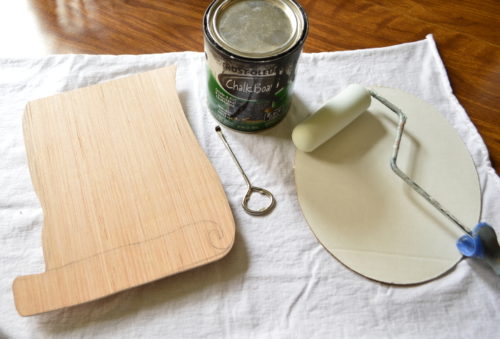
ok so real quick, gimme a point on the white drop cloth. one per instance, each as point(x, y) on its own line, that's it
point(277, 282)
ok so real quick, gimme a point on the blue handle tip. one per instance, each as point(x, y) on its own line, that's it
point(471, 246)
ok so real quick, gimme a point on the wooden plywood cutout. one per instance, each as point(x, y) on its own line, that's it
point(127, 193)
point(366, 216)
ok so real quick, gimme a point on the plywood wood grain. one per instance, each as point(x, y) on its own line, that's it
point(128, 194)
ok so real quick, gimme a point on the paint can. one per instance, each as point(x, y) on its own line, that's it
point(252, 48)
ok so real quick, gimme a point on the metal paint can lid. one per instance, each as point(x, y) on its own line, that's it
point(256, 29)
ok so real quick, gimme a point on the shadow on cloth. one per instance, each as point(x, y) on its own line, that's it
point(283, 130)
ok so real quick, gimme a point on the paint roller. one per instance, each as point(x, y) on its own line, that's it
point(344, 108)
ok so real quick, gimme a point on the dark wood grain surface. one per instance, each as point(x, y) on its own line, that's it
point(467, 33)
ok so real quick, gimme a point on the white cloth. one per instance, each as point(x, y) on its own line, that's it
point(277, 281)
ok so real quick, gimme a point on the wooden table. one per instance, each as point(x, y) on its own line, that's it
point(467, 33)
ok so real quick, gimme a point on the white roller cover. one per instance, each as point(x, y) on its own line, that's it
point(330, 119)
